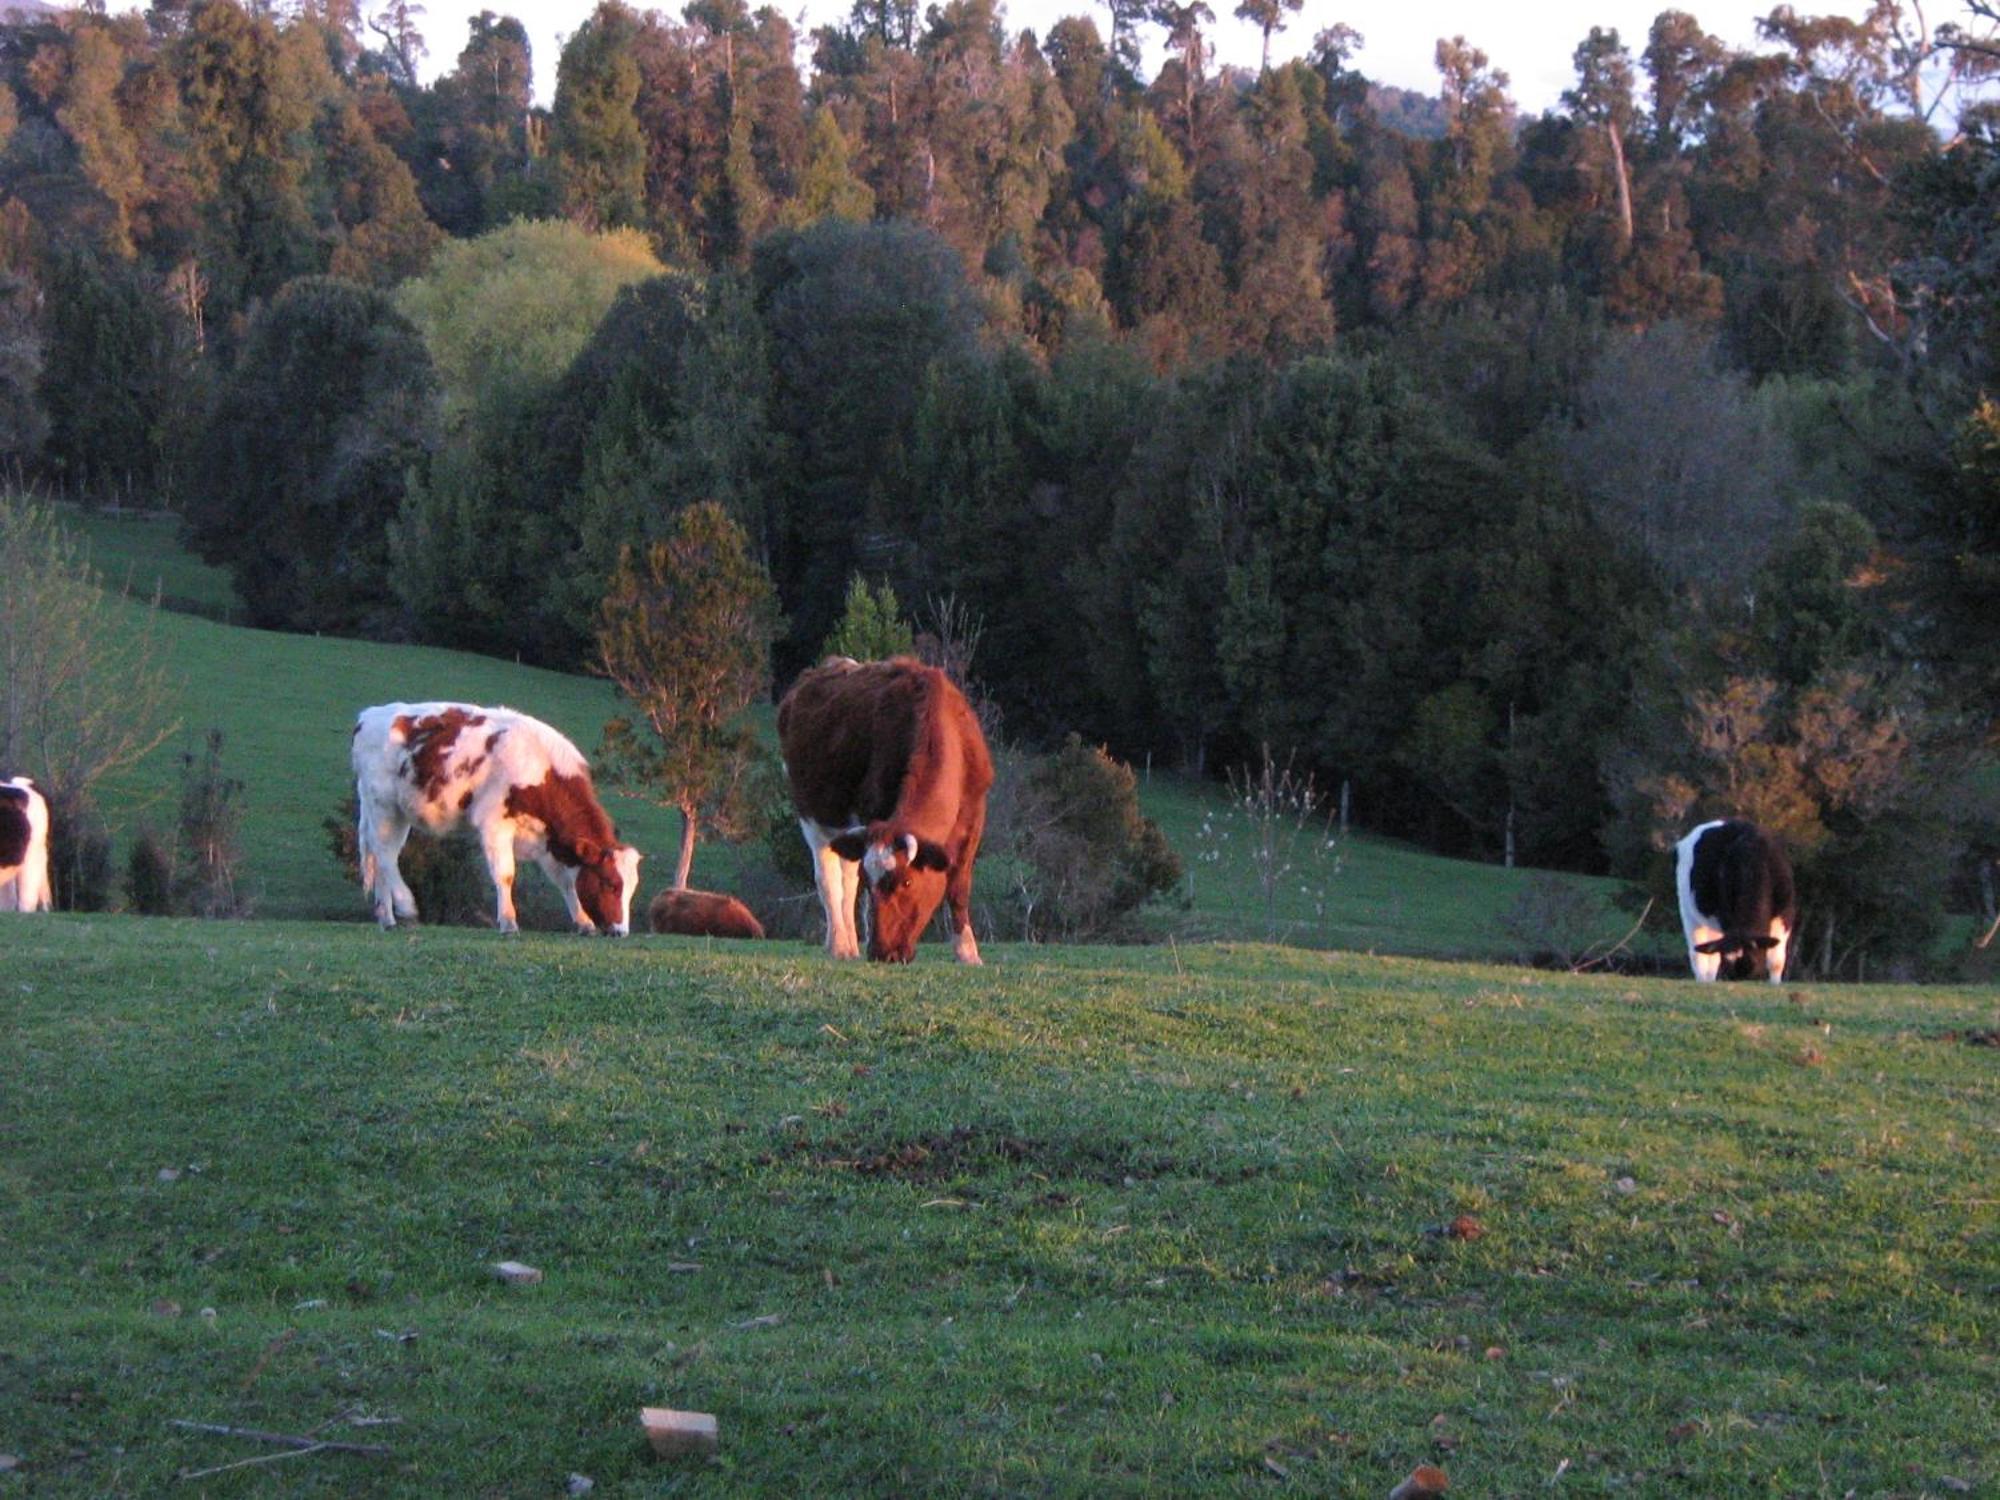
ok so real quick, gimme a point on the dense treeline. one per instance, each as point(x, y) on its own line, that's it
point(1550, 482)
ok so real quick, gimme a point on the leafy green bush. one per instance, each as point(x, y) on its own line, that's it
point(447, 875)
point(1090, 858)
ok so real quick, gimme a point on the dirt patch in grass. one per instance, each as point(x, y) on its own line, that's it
point(973, 1150)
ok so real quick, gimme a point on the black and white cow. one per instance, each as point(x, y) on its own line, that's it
point(24, 847)
point(1738, 906)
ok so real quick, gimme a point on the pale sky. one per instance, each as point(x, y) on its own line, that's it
point(1532, 42)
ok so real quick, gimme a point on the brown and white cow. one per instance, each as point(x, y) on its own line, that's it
point(702, 914)
point(889, 773)
point(24, 847)
point(523, 788)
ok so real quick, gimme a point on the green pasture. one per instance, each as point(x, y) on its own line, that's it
point(140, 553)
point(1220, 1220)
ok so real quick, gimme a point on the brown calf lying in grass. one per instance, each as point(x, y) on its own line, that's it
point(703, 914)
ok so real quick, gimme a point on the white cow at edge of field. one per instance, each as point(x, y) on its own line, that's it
point(24, 846)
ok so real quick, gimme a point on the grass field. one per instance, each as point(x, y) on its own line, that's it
point(1085, 1222)
point(140, 552)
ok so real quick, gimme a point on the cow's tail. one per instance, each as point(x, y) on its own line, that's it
point(364, 846)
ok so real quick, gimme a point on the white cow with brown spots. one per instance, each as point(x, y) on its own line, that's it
point(522, 787)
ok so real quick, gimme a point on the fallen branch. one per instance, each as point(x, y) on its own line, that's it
point(244, 1463)
point(264, 1359)
point(285, 1439)
point(1982, 942)
point(1583, 964)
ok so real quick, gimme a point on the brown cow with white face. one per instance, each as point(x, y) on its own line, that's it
point(889, 772)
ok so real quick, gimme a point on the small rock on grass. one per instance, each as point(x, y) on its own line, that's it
point(514, 1273)
point(675, 1434)
point(579, 1484)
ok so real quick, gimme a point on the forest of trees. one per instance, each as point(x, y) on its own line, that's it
point(1550, 482)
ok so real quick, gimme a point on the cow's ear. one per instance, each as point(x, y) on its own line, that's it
point(930, 856)
point(1715, 945)
point(589, 851)
point(850, 846)
point(1765, 941)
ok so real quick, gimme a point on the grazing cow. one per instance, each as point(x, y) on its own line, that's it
point(703, 914)
point(1737, 903)
point(523, 788)
point(24, 847)
point(889, 773)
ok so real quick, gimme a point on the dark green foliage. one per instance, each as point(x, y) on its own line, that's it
point(599, 151)
point(24, 421)
point(665, 407)
point(79, 857)
point(315, 431)
point(856, 314)
point(149, 874)
point(110, 367)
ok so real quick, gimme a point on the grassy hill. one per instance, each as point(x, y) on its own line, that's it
point(1228, 1221)
point(285, 705)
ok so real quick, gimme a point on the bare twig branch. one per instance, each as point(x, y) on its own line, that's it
point(287, 1439)
point(244, 1463)
point(1583, 965)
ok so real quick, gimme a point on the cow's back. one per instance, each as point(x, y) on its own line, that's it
point(432, 761)
point(846, 732)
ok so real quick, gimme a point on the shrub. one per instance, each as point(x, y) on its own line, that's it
point(1553, 921)
point(1275, 831)
point(447, 875)
point(79, 858)
point(1089, 857)
point(149, 875)
point(210, 815)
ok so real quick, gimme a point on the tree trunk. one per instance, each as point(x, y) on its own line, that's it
point(1624, 183)
point(690, 820)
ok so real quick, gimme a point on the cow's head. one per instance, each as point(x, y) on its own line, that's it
point(1745, 955)
point(607, 878)
point(906, 879)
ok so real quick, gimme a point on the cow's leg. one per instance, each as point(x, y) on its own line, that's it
point(564, 877)
point(958, 892)
point(1706, 965)
point(498, 840)
point(10, 889)
point(1776, 957)
point(837, 880)
point(382, 840)
point(35, 894)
